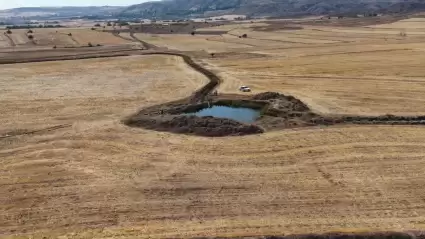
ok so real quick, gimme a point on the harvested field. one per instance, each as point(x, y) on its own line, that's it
point(70, 168)
point(188, 42)
point(84, 36)
point(58, 90)
point(4, 41)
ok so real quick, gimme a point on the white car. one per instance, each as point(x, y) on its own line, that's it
point(245, 89)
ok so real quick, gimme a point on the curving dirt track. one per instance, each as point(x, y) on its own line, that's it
point(97, 181)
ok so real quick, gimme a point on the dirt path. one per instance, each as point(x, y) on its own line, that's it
point(117, 34)
point(273, 118)
point(145, 44)
point(11, 42)
point(71, 37)
point(56, 127)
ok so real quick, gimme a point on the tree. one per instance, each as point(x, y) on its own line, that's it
point(9, 31)
point(31, 37)
point(109, 24)
point(192, 33)
point(97, 25)
point(30, 31)
point(244, 36)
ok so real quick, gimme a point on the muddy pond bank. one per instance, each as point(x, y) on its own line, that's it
point(276, 112)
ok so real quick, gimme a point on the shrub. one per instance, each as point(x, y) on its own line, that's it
point(90, 44)
point(244, 35)
point(70, 34)
point(31, 37)
point(97, 25)
point(30, 31)
point(54, 47)
point(93, 29)
point(109, 24)
point(192, 33)
point(9, 31)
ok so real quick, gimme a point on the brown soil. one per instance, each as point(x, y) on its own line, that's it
point(177, 28)
point(277, 26)
point(354, 22)
point(278, 111)
point(366, 235)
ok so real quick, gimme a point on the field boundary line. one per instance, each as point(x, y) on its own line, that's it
point(56, 127)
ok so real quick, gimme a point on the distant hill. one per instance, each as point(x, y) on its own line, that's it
point(196, 8)
point(60, 11)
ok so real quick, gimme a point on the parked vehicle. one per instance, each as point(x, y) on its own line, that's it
point(245, 89)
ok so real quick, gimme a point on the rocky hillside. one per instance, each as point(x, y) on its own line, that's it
point(59, 11)
point(195, 8)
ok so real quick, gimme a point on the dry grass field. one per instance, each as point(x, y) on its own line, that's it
point(93, 177)
point(49, 37)
point(188, 42)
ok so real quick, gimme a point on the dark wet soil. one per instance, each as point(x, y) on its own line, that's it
point(277, 111)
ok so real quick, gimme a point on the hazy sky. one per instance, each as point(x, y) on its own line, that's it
point(5, 4)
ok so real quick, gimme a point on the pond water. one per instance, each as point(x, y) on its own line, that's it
point(245, 115)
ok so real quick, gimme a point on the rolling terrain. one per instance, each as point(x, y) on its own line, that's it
point(193, 8)
point(70, 168)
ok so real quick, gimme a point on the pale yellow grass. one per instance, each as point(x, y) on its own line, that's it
point(64, 92)
point(370, 77)
point(229, 27)
point(410, 24)
point(83, 36)
point(19, 37)
point(189, 42)
point(138, 183)
point(52, 37)
point(4, 42)
point(101, 179)
point(283, 36)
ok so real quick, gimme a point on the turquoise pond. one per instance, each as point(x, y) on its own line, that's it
point(244, 115)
